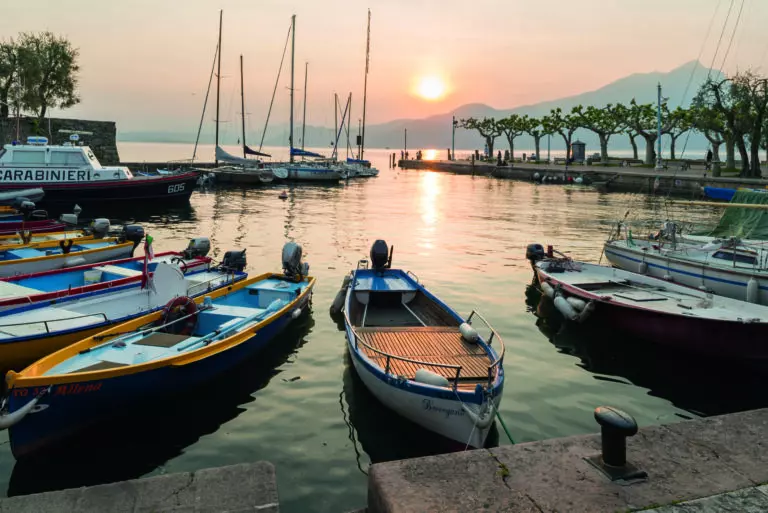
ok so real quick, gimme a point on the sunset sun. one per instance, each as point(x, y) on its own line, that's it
point(431, 88)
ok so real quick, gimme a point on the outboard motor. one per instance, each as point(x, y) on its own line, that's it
point(381, 255)
point(292, 264)
point(234, 261)
point(534, 253)
point(24, 206)
point(198, 247)
point(133, 233)
point(100, 227)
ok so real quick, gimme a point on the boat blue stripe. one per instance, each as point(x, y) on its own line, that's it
point(680, 271)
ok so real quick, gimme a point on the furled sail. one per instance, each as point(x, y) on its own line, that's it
point(296, 152)
point(223, 156)
point(249, 151)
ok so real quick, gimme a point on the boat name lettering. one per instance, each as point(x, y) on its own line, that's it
point(44, 175)
point(448, 412)
point(68, 389)
point(179, 187)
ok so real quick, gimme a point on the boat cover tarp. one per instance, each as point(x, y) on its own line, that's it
point(719, 193)
point(359, 161)
point(228, 157)
point(744, 223)
point(296, 152)
point(249, 151)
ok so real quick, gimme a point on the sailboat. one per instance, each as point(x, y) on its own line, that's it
point(359, 167)
point(238, 169)
point(317, 169)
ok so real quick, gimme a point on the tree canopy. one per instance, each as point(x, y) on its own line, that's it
point(38, 71)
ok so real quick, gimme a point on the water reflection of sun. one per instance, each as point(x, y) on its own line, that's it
point(430, 155)
point(429, 191)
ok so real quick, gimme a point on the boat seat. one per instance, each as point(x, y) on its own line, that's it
point(213, 319)
point(120, 271)
point(10, 289)
point(29, 253)
point(100, 366)
point(158, 339)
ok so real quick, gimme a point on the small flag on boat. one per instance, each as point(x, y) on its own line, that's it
point(148, 249)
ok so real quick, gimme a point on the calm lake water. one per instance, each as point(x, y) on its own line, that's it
point(301, 406)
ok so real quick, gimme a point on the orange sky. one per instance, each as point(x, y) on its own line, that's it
point(145, 63)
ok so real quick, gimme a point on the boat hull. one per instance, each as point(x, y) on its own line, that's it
point(302, 174)
point(173, 187)
point(47, 263)
point(719, 280)
point(72, 407)
point(441, 413)
point(737, 340)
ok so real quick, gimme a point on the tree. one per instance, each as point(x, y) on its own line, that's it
point(9, 68)
point(558, 123)
point(48, 72)
point(711, 123)
point(751, 92)
point(487, 127)
point(678, 122)
point(643, 120)
point(722, 96)
point(532, 126)
point(604, 122)
point(512, 127)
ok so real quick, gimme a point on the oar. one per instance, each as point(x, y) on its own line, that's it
point(273, 307)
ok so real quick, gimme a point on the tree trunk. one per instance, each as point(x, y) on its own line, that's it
point(489, 143)
point(603, 147)
point(730, 153)
point(511, 141)
point(715, 158)
point(567, 140)
point(745, 169)
point(672, 147)
point(650, 151)
point(634, 145)
point(536, 142)
point(43, 110)
point(755, 160)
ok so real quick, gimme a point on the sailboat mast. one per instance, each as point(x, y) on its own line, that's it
point(304, 116)
point(349, 120)
point(242, 103)
point(365, 84)
point(335, 117)
point(293, 54)
point(218, 86)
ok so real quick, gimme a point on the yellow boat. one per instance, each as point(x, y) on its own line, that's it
point(18, 240)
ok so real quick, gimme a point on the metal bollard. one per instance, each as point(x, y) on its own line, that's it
point(615, 427)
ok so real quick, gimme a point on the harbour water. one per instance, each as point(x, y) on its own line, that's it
point(302, 407)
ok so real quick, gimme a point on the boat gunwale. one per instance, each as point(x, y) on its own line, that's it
point(19, 379)
point(118, 245)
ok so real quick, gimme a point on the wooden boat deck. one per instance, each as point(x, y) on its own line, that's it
point(433, 344)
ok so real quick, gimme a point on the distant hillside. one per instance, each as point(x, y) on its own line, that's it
point(435, 131)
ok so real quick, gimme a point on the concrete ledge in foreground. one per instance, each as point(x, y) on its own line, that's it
point(684, 461)
point(249, 487)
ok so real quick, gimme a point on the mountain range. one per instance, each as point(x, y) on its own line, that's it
point(679, 86)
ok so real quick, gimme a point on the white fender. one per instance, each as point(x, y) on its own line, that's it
point(9, 419)
point(296, 313)
point(642, 268)
point(468, 333)
point(338, 302)
point(547, 289)
point(752, 290)
point(588, 309)
point(483, 420)
point(430, 378)
point(565, 308)
point(576, 303)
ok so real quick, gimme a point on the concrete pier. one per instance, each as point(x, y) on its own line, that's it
point(632, 179)
point(241, 488)
point(717, 460)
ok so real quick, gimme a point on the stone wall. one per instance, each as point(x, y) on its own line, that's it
point(102, 140)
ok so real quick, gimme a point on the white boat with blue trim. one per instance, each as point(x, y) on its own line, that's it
point(729, 267)
point(419, 357)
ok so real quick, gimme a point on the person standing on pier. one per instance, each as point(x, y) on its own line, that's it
point(709, 159)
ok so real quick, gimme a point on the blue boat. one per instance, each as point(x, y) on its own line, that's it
point(156, 355)
point(726, 193)
point(418, 356)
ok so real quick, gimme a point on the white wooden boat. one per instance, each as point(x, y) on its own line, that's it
point(659, 311)
point(419, 357)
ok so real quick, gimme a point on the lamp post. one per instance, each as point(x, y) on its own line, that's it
point(454, 123)
point(659, 164)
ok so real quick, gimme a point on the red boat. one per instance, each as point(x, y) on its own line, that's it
point(41, 226)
